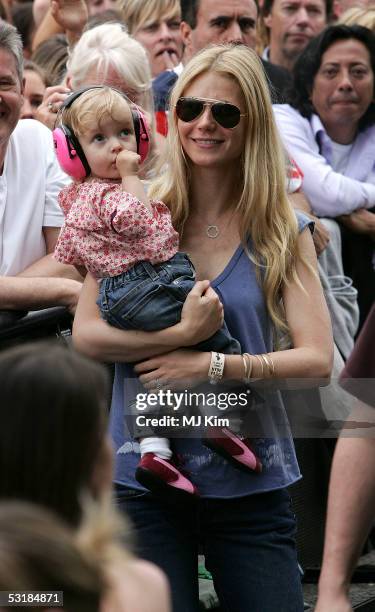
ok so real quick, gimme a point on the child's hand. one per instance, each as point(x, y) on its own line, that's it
point(127, 163)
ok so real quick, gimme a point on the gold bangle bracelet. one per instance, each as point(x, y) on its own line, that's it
point(266, 366)
point(244, 361)
point(258, 357)
point(249, 365)
point(271, 366)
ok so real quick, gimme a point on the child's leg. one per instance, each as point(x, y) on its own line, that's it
point(157, 473)
point(230, 441)
point(234, 448)
point(159, 446)
point(148, 297)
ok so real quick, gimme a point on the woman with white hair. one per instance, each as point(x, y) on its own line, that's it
point(107, 55)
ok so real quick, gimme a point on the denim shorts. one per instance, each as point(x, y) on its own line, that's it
point(150, 297)
point(147, 297)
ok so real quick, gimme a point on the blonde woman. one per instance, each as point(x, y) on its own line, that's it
point(156, 25)
point(225, 186)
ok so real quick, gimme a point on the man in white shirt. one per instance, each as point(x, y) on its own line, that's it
point(30, 180)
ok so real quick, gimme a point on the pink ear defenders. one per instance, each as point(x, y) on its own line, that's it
point(68, 150)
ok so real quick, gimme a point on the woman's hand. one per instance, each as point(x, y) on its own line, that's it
point(202, 314)
point(99, 340)
point(321, 235)
point(175, 370)
point(52, 100)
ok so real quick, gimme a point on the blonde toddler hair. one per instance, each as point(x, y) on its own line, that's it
point(92, 106)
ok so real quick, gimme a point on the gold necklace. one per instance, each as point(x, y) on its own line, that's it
point(212, 231)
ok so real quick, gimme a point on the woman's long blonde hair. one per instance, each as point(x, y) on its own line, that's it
point(266, 213)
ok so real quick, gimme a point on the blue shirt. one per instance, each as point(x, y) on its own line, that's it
point(247, 320)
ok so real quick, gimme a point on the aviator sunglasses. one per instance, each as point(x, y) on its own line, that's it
point(225, 114)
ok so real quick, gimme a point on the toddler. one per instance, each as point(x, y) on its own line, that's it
point(128, 243)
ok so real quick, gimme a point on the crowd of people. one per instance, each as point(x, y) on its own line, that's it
point(194, 180)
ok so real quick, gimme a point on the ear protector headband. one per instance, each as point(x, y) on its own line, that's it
point(68, 150)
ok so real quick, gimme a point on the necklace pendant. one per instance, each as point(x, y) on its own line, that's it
point(212, 231)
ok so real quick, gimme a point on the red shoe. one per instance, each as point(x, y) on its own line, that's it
point(233, 448)
point(160, 475)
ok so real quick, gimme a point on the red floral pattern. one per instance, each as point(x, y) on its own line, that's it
point(108, 230)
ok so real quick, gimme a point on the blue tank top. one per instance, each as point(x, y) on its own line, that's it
point(247, 320)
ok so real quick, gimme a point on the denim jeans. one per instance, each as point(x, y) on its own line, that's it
point(150, 297)
point(248, 543)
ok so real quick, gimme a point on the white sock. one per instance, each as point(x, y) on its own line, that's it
point(159, 446)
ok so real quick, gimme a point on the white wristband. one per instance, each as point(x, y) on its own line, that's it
point(216, 370)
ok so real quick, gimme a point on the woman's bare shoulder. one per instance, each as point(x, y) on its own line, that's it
point(136, 586)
